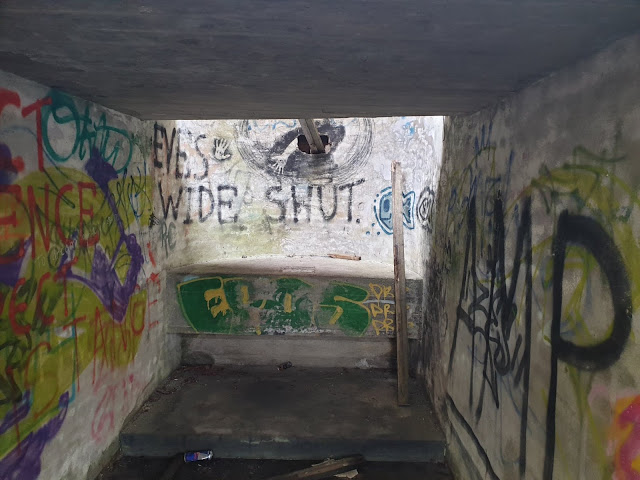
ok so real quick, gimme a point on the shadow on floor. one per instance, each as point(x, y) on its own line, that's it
point(144, 468)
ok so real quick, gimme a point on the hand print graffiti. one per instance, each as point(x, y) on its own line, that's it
point(220, 149)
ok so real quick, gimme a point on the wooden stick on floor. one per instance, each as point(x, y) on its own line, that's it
point(399, 277)
point(326, 469)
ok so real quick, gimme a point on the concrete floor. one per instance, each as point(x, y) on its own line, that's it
point(141, 468)
point(293, 414)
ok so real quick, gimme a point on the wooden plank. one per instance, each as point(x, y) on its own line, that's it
point(311, 133)
point(400, 286)
point(344, 257)
point(326, 469)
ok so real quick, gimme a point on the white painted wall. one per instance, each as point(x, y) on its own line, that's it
point(253, 167)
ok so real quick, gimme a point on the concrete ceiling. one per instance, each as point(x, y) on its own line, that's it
point(182, 59)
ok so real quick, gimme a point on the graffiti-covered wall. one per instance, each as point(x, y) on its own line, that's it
point(260, 305)
point(80, 325)
point(533, 283)
point(228, 189)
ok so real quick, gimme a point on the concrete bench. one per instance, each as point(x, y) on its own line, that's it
point(308, 310)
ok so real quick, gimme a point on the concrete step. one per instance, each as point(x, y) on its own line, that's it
point(152, 468)
point(293, 414)
point(307, 351)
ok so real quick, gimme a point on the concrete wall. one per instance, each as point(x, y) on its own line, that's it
point(238, 200)
point(229, 189)
point(82, 336)
point(533, 283)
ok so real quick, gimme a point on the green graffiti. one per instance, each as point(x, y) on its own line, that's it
point(213, 305)
point(234, 306)
point(348, 311)
point(287, 308)
point(115, 144)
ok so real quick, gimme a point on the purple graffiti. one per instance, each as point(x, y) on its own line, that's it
point(23, 462)
point(104, 280)
point(18, 413)
point(8, 166)
point(10, 271)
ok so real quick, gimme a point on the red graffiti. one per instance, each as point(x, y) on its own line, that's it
point(626, 437)
point(151, 257)
point(39, 217)
point(28, 110)
point(64, 189)
point(35, 219)
point(111, 339)
point(138, 310)
point(103, 421)
point(16, 308)
point(7, 97)
point(88, 212)
point(118, 397)
point(45, 319)
point(155, 279)
point(11, 220)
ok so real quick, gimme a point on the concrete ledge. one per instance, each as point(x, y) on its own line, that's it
point(285, 449)
point(309, 351)
point(306, 266)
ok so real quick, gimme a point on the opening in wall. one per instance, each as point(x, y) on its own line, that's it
point(303, 144)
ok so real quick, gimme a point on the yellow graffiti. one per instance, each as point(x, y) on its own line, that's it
point(385, 324)
point(217, 301)
point(288, 303)
point(66, 327)
point(336, 315)
point(244, 292)
point(381, 292)
point(382, 316)
point(263, 304)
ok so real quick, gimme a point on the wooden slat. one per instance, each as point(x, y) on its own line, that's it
point(311, 132)
point(325, 469)
point(344, 257)
point(400, 288)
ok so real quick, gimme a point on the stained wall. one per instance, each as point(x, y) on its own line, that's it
point(533, 283)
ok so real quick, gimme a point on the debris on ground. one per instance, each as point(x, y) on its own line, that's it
point(344, 257)
point(285, 365)
point(326, 469)
point(350, 474)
